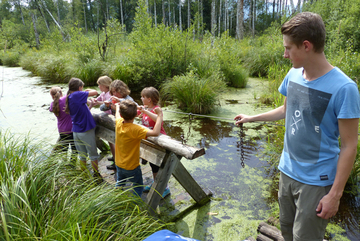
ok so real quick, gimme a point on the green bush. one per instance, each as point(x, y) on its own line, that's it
point(194, 94)
point(11, 58)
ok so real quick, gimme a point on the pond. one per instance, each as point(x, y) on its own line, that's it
point(241, 194)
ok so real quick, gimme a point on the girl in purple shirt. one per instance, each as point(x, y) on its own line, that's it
point(83, 124)
point(63, 121)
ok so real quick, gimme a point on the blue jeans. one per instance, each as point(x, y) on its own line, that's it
point(133, 176)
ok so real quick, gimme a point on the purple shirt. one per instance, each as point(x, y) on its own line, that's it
point(79, 111)
point(64, 122)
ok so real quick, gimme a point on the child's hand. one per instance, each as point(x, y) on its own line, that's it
point(158, 111)
point(107, 103)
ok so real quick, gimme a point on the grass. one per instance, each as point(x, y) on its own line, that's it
point(194, 94)
point(42, 197)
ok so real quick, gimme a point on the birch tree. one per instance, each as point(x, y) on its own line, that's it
point(33, 18)
point(122, 14)
point(213, 18)
point(189, 16)
point(180, 21)
point(219, 24)
point(155, 16)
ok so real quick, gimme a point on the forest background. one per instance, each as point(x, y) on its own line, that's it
point(189, 49)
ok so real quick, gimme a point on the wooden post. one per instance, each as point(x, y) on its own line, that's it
point(190, 185)
point(162, 178)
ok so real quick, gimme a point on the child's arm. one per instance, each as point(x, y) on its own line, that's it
point(117, 112)
point(156, 130)
point(152, 115)
point(92, 92)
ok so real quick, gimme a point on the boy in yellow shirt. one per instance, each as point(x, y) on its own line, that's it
point(127, 144)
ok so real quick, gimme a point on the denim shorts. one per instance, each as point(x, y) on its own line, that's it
point(298, 202)
point(133, 176)
point(85, 143)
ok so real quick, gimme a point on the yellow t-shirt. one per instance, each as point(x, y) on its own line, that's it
point(127, 144)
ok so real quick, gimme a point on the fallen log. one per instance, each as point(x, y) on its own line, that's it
point(262, 237)
point(270, 231)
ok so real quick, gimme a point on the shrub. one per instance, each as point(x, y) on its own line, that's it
point(194, 94)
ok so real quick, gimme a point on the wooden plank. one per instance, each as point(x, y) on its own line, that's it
point(162, 178)
point(151, 154)
point(190, 185)
point(164, 141)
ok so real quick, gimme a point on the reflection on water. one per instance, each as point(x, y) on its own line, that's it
point(240, 194)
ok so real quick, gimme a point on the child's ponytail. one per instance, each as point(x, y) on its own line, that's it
point(56, 94)
point(74, 85)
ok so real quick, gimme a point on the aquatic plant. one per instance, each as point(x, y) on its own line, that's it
point(51, 200)
point(194, 94)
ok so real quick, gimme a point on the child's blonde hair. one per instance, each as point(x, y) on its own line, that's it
point(56, 93)
point(128, 109)
point(104, 80)
point(152, 93)
point(119, 87)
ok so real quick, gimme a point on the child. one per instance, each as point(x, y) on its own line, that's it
point(119, 91)
point(127, 144)
point(83, 124)
point(150, 98)
point(64, 122)
point(104, 86)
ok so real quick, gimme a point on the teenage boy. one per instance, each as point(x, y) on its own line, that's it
point(127, 144)
point(321, 104)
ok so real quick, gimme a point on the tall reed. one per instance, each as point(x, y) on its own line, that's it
point(48, 199)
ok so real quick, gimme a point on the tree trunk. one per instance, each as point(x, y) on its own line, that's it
point(169, 13)
point(21, 13)
point(219, 24)
point(213, 18)
point(225, 15)
point(122, 14)
point(58, 11)
point(240, 19)
point(42, 15)
point(86, 29)
point(189, 22)
point(180, 21)
point(91, 15)
point(254, 18)
point(155, 16)
point(35, 30)
point(56, 23)
point(163, 10)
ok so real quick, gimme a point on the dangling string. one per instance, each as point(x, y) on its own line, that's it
point(242, 134)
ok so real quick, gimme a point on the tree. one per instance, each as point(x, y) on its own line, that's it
point(240, 19)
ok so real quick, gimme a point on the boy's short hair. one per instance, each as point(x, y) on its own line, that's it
point(306, 26)
point(128, 109)
point(104, 80)
point(119, 87)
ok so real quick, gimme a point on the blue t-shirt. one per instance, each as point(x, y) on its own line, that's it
point(79, 112)
point(311, 146)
